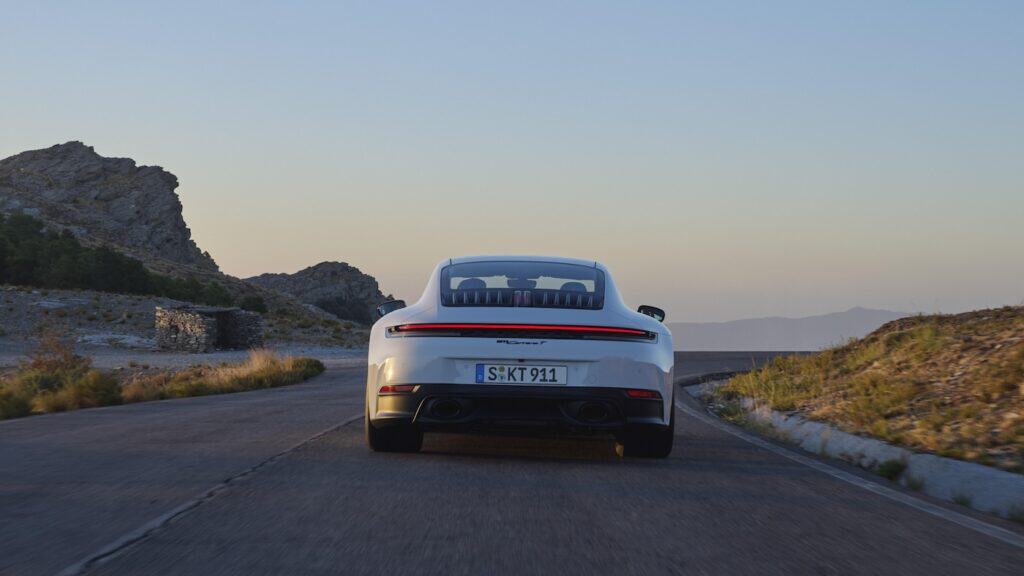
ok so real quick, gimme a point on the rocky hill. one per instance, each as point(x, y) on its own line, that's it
point(336, 287)
point(134, 210)
point(102, 200)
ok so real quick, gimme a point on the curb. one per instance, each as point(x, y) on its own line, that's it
point(976, 486)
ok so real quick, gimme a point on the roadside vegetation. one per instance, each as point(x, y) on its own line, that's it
point(55, 379)
point(263, 369)
point(952, 385)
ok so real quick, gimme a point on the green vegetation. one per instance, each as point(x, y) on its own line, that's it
point(55, 379)
point(891, 469)
point(253, 303)
point(30, 255)
point(951, 385)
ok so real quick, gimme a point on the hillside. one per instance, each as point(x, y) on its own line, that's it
point(948, 384)
point(72, 219)
point(769, 334)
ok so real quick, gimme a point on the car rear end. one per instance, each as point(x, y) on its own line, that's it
point(522, 347)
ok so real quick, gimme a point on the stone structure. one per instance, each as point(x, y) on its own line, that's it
point(336, 287)
point(204, 329)
point(108, 200)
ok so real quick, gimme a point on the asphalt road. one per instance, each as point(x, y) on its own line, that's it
point(280, 482)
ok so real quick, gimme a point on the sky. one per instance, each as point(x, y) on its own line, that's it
point(725, 159)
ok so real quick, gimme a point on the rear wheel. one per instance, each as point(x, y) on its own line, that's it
point(401, 438)
point(653, 442)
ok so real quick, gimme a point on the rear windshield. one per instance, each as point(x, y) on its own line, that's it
point(523, 284)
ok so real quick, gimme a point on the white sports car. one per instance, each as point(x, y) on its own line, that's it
point(517, 344)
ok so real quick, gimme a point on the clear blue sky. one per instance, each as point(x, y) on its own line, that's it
point(725, 159)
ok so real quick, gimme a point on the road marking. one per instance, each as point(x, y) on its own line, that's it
point(996, 532)
point(115, 548)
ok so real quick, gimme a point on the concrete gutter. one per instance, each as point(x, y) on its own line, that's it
point(973, 485)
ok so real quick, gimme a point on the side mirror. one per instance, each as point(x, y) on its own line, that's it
point(389, 307)
point(652, 311)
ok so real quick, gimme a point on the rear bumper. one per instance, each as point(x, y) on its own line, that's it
point(518, 409)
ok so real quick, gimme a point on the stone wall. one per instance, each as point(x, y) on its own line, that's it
point(185, 330)
point(197, 329)
point(241, 329)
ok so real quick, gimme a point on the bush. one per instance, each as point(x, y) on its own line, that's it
point(216, 295)
point(253, 303)
point(14, 404)
point(38, 381)
point(53, 355)
point(55, 379)
point(891, 469)
point(92, 389)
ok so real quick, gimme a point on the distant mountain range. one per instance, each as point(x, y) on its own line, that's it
point(776, 333)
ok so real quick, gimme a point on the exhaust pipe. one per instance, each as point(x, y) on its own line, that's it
point(593, 412)
point(446, 409)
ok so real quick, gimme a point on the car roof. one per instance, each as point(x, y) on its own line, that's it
point(523, 258)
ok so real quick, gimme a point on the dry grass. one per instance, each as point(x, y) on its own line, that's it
point(952, 385)
point(55, 379)
point(263, 369)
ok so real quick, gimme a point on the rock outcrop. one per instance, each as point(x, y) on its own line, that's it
point(335, 287)
point(102, 200)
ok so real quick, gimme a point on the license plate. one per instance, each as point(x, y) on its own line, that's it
point(520, 374)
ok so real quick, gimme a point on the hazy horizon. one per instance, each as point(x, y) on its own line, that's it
point(728, 161)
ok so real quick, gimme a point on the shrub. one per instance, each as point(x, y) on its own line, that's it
point(14, 404)
point(92, 389)
point(54, 379)
point(253, 303)
point(215, 295)
point(53, 356)
point(891, 469)
point(915, 484)
point(39, 381)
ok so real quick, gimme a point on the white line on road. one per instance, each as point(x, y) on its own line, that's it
point(996, 532)
point(142, 532)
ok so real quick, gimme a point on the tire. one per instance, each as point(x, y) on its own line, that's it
point(401, 438)
point(654, 442)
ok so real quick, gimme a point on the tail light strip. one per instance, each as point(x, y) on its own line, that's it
point(523, 330)
point(646, 394)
